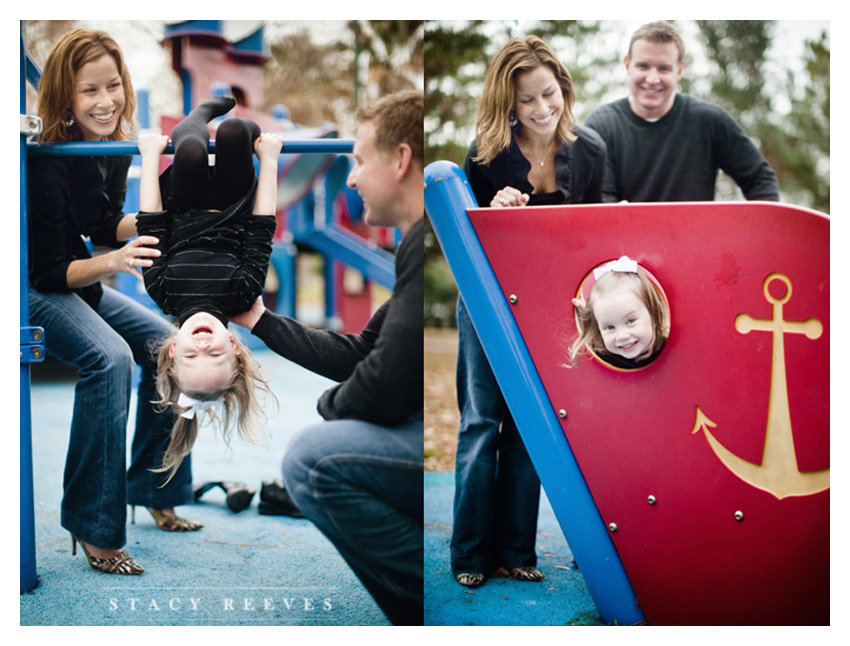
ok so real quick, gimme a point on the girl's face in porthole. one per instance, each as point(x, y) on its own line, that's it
point(624, 322)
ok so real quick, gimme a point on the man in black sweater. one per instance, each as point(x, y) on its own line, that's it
point(359, 475)
point(668, 147)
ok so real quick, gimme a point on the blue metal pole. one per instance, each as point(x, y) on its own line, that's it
point(143, 108)
point(447, 198)
point(27, 547)
point(373, 262)
point(85, 148)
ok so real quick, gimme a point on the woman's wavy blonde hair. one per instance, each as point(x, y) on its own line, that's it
point(493, 120)
point(59, 78)
point(243, 401)
point(590, 336)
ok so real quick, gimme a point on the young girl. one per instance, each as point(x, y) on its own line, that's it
point(215, 241)
point(624, 321)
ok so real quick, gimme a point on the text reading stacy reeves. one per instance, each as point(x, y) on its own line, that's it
point(244, 604)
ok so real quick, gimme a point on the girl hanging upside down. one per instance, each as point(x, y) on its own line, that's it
point(215, 233)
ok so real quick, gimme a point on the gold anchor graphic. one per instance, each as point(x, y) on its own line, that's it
point(778, 473)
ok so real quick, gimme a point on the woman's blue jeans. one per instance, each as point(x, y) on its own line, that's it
point(104, 346)
point(362, 485)
point(497, 491)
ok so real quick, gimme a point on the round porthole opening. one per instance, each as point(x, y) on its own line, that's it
point(618, 291)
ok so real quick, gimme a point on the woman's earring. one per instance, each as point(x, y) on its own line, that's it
point(512, 120)
point(68, 121)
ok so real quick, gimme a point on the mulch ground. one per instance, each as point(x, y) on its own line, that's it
point(442, 419)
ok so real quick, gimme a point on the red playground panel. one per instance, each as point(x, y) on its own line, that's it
point(710, 466)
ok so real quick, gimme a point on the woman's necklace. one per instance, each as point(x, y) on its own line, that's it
point(541, 161)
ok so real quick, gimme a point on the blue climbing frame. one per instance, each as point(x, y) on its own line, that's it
point(447, 198)
point(31, 350)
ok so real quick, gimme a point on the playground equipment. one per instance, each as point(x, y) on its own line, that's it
point(316, 211)
point(32, 349)
point(695, 490)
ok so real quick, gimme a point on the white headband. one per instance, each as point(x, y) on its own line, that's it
point(194, 405)
point(623, 264)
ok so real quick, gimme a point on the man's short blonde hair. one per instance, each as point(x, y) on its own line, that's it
point(398, 119)
point(659, 32)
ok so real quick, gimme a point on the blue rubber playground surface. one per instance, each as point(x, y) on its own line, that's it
point(241, 569)
point(247, 569)
point(560, 599)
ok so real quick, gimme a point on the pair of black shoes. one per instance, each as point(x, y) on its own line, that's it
point(276, 501)
point(274, 498)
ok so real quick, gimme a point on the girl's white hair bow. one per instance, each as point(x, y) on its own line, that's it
point(194, 406)
point(623, 264)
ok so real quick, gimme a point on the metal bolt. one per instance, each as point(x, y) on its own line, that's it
point(513, 299)
point(739, 516)
point(36, 353)
point(36, 335)
point(562, 414)
point(612, 527)
point(651, 499)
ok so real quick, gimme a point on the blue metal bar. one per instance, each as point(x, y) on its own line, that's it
point(447, 198)
point(374, 263)
point(86, 148)
point(32, 72)
point(27, 548)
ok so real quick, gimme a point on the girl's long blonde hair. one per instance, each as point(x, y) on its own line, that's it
point(590, 336)
point(58, 84)
point(242, 401)
point(493, 121)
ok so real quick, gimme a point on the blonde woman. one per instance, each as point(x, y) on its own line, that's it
point(527, 151)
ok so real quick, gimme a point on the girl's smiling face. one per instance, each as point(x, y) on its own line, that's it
point(204, 354)
point(624, 323)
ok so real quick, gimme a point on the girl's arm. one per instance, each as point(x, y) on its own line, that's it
point(126, 227)
point(150, 147)
point(267, 147)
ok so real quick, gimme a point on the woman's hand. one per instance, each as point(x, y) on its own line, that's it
point(139, 252)
point(127, 259)
point(249, 319)
point(508, 196)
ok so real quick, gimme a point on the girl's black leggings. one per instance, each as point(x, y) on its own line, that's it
point(194, 183)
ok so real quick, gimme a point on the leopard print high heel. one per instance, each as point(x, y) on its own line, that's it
point(167, 522)
point(121, 563)
point(470, 579)
point(526, 573)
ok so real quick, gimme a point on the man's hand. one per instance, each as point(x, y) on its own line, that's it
point(249, 319)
